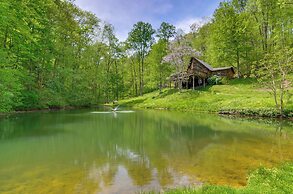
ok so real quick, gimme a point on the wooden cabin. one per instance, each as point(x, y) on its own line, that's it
point(198, 73)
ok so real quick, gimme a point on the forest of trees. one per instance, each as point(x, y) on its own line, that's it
point(53, 54)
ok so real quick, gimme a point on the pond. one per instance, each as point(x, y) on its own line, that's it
point(88, 151)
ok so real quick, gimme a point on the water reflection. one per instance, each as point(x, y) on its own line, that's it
point(81, 152)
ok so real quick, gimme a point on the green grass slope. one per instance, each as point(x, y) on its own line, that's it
point(240, 95)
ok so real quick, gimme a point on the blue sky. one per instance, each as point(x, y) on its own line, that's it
point(124, 13)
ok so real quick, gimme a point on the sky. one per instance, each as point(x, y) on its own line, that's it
point(123, 14)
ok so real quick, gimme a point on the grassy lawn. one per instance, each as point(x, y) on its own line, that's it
point(238, 94)
point(262, 181)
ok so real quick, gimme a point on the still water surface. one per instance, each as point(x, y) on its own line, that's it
point(128, 152)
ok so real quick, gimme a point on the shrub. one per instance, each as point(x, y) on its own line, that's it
point(215, 80)
point(10, 87)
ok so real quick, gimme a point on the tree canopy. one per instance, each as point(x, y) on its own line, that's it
point(54, 54)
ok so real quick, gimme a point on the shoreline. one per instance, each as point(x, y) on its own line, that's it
point(237, 113)
point(229, 113)
point(36, 110)
point(232, 113)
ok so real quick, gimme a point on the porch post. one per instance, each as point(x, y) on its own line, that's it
point(193, 82)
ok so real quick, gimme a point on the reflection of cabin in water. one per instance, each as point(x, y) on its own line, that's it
point(198, 73)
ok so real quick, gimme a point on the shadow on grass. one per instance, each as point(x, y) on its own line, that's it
point(207, 88)
point(134, 102)
point(168, 92)
point(242, 81)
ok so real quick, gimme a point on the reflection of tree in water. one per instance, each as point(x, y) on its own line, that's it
point(161, 141)
point(137, 163)
point(280, 139)
point(109, 175)
point(33, 124)
point(164, 175)
point(103, 176)
point(217, 147)
point(139, 172)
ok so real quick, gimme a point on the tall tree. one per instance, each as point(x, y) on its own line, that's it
point(274, 74)
point(140, 40)
point(230, 40)
point(158, 70)
point(166, 31)
point(199, 39)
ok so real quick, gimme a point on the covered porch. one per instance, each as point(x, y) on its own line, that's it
point(188, 80)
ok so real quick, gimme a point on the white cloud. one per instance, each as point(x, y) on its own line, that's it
point(186, 23)
point(124, 13)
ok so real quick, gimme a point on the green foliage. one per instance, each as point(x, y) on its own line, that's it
point(166, 31)
point(215, 80)
point(229, 43)
point(242, 32)
point(274, 73)
point(140, 39)
point(200, 38)
point(49, 59)
point(10, 89)
point(275, 180)
point(158, 71)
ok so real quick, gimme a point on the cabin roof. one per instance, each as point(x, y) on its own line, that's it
point(224, 68)
point(221, 68)
point(209, 67)
point(185, 75)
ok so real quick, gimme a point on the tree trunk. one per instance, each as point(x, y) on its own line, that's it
point(117, 81)
point(133, 77)
point(282, 88)
point(139, 74)
point(274, 89)
point(161, 82)
point(281, 101)
point(142, 76)
point(238, 64)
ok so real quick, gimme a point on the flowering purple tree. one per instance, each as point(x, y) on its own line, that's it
point(180, 52)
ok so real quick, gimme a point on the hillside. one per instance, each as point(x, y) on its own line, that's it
point(242, 96)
